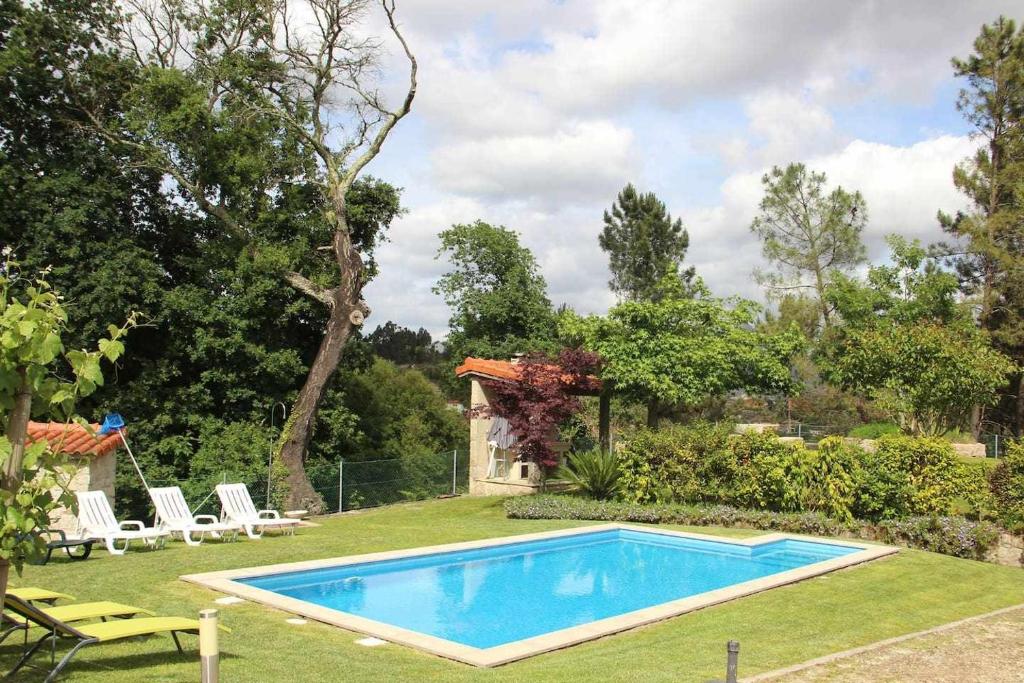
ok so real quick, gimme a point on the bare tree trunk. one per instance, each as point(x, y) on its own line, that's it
point(5, 571)
point(653, 414)
point(976, 415)
point(301, 494)
point(604, 421)
point(1018, 404)
point(17, 429)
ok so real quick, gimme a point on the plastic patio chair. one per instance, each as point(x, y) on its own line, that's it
point(96, 518)
point(173, 515)
point(237, 507)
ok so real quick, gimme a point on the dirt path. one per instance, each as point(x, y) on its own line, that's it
point(989, 650)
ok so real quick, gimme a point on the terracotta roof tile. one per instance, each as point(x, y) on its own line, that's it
point(507, 370)
point(73, 439)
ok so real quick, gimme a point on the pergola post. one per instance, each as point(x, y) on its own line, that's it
point(604, 420)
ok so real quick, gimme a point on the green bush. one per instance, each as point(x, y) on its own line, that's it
point(829, 476)
point(593, 473)
point(873, 430)
point(703, 463)
point(934, 476)
point(1007, 485)
point(769, 473)
point(677, 463)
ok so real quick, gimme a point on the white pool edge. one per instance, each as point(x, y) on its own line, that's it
point(225, 582)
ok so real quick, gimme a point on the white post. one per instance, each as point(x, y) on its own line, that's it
point(455, 468)
point(209, 652)
point(341, 484)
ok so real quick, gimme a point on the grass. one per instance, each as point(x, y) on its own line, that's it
point(910, 592)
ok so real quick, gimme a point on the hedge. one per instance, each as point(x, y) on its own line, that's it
point(949, 535)
point(703, 463)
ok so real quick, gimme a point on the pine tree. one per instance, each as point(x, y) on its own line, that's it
point(807, 232)
point(991, 232)
point(644, 245)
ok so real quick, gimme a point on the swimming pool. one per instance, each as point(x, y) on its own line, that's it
point(492, 602)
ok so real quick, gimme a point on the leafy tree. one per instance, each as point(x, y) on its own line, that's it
point(251, 116)
point(907, 344)
point(927, 376)
point(32, 359)
point(808, 233)
point(989, 252)
point(223, 340)
point(644, 244)
point(496, 293)
point(401, 345)
point(680, 350)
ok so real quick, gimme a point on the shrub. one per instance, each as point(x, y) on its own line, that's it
point(828, 478)
point(935, 476)
point(769, 474)
point(703, 463)
point(1007, 485)
point(593, 473)
point(955, 536)
point(687, 463)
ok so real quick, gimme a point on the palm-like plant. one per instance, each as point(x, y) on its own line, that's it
point(593, 473)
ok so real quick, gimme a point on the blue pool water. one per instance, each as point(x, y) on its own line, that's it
point(492, 596)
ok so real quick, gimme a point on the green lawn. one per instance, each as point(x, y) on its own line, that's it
point(909, 592)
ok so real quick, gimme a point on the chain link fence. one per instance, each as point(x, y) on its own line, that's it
point(349, 484)
point(810, 433)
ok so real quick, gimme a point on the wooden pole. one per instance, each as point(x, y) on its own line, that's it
point(604, 421)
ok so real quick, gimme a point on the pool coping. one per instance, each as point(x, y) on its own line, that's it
point(224, 582)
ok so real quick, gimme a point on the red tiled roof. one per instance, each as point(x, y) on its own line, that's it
point(73, 439)
point(507, 370)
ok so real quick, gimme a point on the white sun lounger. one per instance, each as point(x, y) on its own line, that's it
point(96, 518)
point(237, 506)
point(173, 515)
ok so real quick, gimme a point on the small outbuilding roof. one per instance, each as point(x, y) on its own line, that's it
point(509, 371)
point(73, 439)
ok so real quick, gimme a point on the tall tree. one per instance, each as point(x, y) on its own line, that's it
point(239, 105)
point(991, 263)
point(644, 245)
point(907, 343)
point(807, 232)
point(402, 346)
point(684, 349)
point(496, 293)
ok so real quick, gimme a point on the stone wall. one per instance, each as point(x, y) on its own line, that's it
point(94, 473)
point(1009, 551)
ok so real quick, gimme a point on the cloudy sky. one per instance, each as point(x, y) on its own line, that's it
point(533, 114)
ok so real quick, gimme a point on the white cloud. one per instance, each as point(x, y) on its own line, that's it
point(534, 114)
point(580, 161)
point(903, 187)
point(782, 127)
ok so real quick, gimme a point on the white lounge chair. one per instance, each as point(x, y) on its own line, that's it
point(237, 506)
point(96, 518)
point(173, 515)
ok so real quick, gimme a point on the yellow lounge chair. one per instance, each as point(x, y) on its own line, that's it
point(93, 634)
point(75, 612)
point(32, 594)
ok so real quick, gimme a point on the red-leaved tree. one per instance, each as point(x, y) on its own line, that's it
point(544, 396)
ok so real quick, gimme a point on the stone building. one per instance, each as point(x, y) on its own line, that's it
point(94, 458)
point(494, 468)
